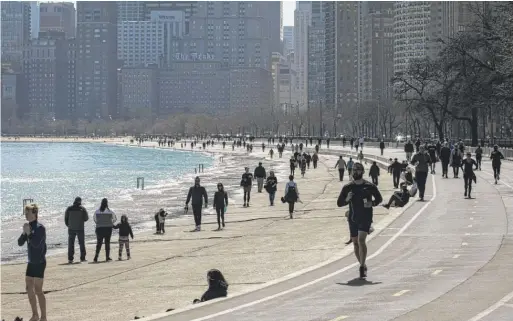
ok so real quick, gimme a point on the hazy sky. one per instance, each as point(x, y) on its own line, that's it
point(288, 12)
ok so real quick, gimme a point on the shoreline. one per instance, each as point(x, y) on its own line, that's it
point(146, 226)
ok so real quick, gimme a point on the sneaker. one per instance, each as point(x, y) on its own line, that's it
point(95, 260)
point(70, 261)
point(244, 205)
point(465, 194)
point(198, 228)
point(108, 259)
point(119, 258)
point(128, 257)
point(223, 224)
point(83, 260)
point(386, 206)
point(363, 274)
point(247, 205)
point(349, 242)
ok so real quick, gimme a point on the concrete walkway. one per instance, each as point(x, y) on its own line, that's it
point(259, 244)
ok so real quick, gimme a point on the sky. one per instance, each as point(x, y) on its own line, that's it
point(288, 12)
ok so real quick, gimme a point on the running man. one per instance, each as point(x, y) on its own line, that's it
point(359, 195)
point(496, 157)
point(468, 173)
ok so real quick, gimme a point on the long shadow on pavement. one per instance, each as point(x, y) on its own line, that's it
point(359, 282)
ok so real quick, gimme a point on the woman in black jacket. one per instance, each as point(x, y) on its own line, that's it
point(217, 286)
point(270, 186)
point(220, 203)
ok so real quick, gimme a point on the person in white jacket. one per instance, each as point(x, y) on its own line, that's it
point(104, 219)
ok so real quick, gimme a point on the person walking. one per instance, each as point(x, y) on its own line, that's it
point(292, 165)
point(34, 234)
point(408, 149)
point(496, 157)
point(361, 196)
point(382, 146)
point(468, 174)
point(271, 187)
point(421, 161)
point(456, 158)
point(162, 220)
point(395, 168)
point(315, 159)
point(445, 158)
point(104, 219)
point(479, 156)
point(291, 195)
point(341, 165)
point(196, 195)
point(246, 183)
point(374, 173)
point(74, 218)
point(431, 149)
point(260, 175)
point(125, 230)
point(220, 204)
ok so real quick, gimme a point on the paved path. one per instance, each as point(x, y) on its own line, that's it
point(446, 259)
point(259, 244)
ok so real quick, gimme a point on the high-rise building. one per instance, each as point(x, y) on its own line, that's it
point(288, 39)
point(34, 19)
point(188, 7)
point(302, 23)
point(275, 16)
point(233, 32)
point(57, 16)
point(15, 31)
point(142, 43)
point(49, 67)
point(131, 11)
point(341, 61)
point(315, 71)
point(97, 62)
point(139, 91)
point(376, 51)
point(419, 24)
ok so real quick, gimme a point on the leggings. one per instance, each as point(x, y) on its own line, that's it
point(496, 170)
point(103, 234)
point(247, 194)
point(126, 243)
point(445, 168)
point(455, 170)
point(291, 207)
point(196, 210)
point(374, 180)
point(220, 214)
point(478, 159)
point(467, 178)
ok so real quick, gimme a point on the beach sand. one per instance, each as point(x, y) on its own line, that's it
point(259, 244)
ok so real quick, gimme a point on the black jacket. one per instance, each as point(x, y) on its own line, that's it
point(374, 170)
point(271, 184)
point(124, 229)
point(247, 179)
point(445, 154)
point(260, 172)
point(395, 167)
point(197, 194)
point(220, 199)
point(382, 145)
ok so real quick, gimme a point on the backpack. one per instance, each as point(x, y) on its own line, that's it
point(291, 194)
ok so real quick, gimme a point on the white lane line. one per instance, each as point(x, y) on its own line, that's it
point(401, 292)
point(456, 256)
point(342, 317)
point(470, 225)
point(471, 218)
point(464, 244)
point(494, 307)
point(436, 272)
point(467, 234)
point(302, 286)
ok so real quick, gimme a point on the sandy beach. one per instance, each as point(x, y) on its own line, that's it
point(259, 244)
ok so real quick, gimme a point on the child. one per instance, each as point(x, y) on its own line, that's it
point(124, 231)
point(162, 219)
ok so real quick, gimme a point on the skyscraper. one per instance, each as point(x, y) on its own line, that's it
point(275, 11)
point(315, 85)
point(58, 16)
point(131, 11)
point(97, 62)
point(15, 31)
point(288, 39)
point(302, 22)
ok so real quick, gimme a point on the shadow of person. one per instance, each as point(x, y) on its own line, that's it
point(359, 282)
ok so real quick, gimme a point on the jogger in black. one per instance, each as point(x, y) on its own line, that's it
point(468, 173)
point(496, 157)
point(197, 194)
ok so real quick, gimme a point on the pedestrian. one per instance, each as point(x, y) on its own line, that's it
point(291, 195)
point(271, 187)
point(349, 167)
point(456, 158)
point(246, 183)
point(361, 196)
point(292, 165)
point(260, 176)
point(445, 158)
point(196, 195)
point(468, 174)
point(361, 141)
point(431, 149)
point(315, 159)
point(74, 218)
point(382, 146)
point(374, 173)
point(341, 165)
point(360, 156)
point(220, 204)
point(308, 158)
point(156, 216)
point(162, 220)
point(496, 157)
point(421, 162)
point(395, 168)
point(34, 234)
point(479, 156)
point(302, 164)
point(104, 219)
point(408, 149)
point(125, 230)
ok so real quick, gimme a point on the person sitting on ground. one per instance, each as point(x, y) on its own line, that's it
point(399, 199)
point(217, 286)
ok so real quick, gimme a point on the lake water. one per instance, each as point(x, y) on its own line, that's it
point(53, 174)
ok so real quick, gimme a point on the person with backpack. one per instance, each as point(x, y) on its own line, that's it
point(291, 195)
point(220, 204)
